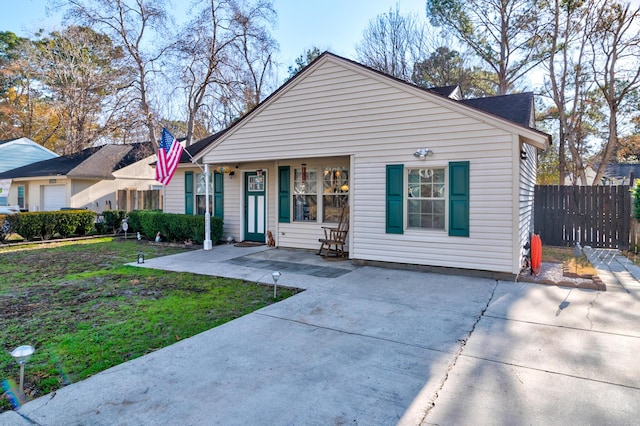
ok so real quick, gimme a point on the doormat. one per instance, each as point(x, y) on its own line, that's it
point(248, 244)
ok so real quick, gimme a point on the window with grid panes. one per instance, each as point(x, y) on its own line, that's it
point(426, 198)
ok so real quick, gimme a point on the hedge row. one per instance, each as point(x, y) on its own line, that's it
point(172, 227)
point(46, 224)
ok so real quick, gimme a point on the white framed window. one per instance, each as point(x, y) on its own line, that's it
point(335, 192)
point(305, 195)
point(200, 193)
point(256, 183)
point(426, 198)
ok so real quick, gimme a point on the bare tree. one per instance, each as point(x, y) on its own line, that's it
point(392, 43)
point(255, 48)
point(505, 34)
point(569, 84)
point(616, 69)
point(203, 51)
point(225, 55)
point(133, 24)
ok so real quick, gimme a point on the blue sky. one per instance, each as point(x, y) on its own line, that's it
point(334, 25)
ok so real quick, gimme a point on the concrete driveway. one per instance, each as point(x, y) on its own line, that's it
point(372, 346)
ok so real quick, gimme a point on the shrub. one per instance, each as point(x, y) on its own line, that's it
point(64, 225)
point(28, 225)
point(635, 191)
point(46, 224)
point(71, 222)
point(113, 219)
point(173, 227)
point(85, 220)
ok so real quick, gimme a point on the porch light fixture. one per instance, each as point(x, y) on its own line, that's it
point(523, 154)
point(276, 276)
point(140, 256)
point(21, 355)
point(423, 153)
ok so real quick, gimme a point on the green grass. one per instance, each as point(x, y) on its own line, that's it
point(84, 311)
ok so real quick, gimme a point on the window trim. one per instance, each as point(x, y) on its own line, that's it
point(24, 196)
point(445, 199)
point(295, 194)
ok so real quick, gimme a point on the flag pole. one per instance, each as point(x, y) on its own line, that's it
point(207, 244)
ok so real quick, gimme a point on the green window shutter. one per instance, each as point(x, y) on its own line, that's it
point(459, 199)
point(395, 199)
point(188, 192)
point(218, 194)
point(284, 201)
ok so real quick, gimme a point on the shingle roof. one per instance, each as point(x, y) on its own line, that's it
point(196, 147)
point(622, 170)
point(448, 91)
point(91, 163)
point(517, 107)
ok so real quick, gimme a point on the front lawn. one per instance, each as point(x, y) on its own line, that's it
point(84, 311)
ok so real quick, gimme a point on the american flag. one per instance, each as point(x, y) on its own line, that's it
point(169, 154)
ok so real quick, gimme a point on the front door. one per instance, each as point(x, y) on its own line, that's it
point(254, 206)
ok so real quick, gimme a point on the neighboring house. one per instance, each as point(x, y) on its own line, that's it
point(17, 153)
point(621, 174)
point(429, 179)
point(573, 179)
point(614, 174)
point(98, 178)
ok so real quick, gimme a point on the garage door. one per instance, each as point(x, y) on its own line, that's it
point(54, 197)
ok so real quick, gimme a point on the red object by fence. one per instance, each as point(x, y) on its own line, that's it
point(536, 254)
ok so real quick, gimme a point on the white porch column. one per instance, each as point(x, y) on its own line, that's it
point(207, 215)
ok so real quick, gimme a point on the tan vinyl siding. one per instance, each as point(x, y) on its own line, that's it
point(489, 246)
point(527, 183)
point(364, 115)
point(337, 109)
point(233, 213)
point(174, 192)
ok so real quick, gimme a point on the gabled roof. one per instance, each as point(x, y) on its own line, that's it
point(452, 92)
point(91, 163)
point(500, 107)
point(198, 146)
point(20, 152)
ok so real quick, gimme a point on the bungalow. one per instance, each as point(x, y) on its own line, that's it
point(430, 179)
point(97, 178)
point(16, 153)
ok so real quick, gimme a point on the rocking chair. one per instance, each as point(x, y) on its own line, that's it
point(335, 238)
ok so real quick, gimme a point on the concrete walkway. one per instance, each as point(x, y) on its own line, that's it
point(372, 346)
point(615, 269)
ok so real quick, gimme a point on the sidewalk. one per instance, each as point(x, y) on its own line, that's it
point(614, 269)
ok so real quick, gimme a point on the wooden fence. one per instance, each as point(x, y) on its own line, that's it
point(596, 216)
